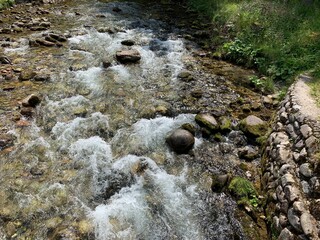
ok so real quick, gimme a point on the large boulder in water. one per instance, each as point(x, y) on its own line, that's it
point(128, 56)
point(181, 141)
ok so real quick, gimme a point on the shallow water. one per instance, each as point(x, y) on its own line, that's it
point(94, 163)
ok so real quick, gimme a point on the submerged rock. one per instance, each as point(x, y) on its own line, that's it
point(128, 56)
point(181, 141)
point(31, 101)
point(128, 42)
point(27, 75)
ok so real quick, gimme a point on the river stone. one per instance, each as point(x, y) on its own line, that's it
point(305, 170)
point(207, 121)
point(31, 101)
point(254, 126)
point(238, 138)
point(181, 141)
point(128, 42)
point(299, 207)
point(58, 37)
point(248, 153)
point(283, 220)
point(27, 111)
point(219, 182)
point(6, 140)
point(286, 235)
point(308, 224)
point(294, 220)
point(27, 75)
point(4, 60)
point(185, 76)
point(128, 56)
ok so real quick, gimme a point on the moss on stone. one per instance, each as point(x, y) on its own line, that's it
point(226, 124)
point(244, 191)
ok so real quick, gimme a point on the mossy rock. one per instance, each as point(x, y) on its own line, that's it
point(207, 121)
point(242, 189)
point(189, 127)
point(253, 126)
point(226, 124)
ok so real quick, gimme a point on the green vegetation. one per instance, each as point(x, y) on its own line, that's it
point(6, 3)
point(315, 86)
point(279, 38)
point(244, 191)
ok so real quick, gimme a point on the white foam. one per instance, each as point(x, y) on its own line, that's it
point(68, 133)
point(95, 156)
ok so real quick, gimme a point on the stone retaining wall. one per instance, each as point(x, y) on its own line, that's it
point(291, 173)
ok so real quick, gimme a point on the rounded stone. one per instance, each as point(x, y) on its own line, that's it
point(254, 126)
point(207, 121)
point(181, 141)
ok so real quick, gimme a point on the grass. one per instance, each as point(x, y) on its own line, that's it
point(315, 86)
point(279, 38)
point(6, 3)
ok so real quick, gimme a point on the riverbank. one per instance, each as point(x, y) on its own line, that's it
point(278, 38)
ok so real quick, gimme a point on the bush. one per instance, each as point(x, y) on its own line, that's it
point(6, 3)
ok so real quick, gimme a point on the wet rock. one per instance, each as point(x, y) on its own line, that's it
point(6, 140)
point(78, 67)
point(189, 127)
point(248, 153)
point(185, 76)
point(238, 138)
point(116, 9)
point(42, 76)
point(27, 111)
point(43, 42)
point(128, 42)
point(181, 141)
point(106, 30)
point(207, 121)
point(27, 75)
point(225, 124)
point(31, 101)
point(219, 182)
point(197, 93)
point(106, 64)
point(253, 126)
point(57, 37)
point(4, 60)
point(128, 56)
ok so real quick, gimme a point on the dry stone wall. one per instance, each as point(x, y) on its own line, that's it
point(291, 173)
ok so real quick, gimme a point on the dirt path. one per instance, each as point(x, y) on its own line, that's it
point(301, 93)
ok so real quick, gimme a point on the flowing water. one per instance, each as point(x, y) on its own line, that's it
point(94, 163)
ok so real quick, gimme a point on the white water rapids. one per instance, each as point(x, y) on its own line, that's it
point(107, 161)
